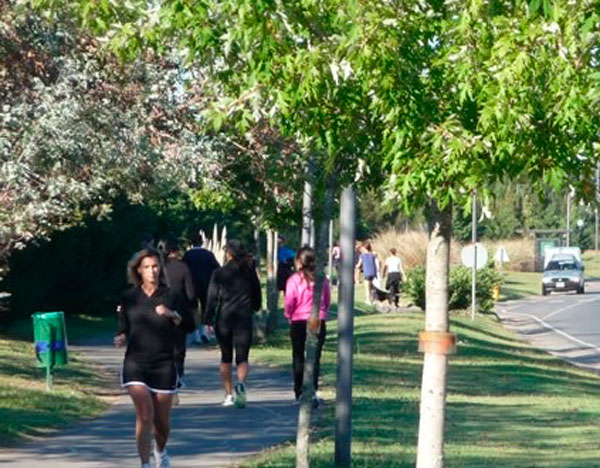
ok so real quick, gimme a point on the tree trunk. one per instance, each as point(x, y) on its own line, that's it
point(308, 390)
point(260, 318)
point(430, 453)
point(307, 195)
point(343, 408)
point(271, 281)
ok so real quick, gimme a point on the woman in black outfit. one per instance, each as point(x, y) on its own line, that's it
point(150, 315)
point(233, 294)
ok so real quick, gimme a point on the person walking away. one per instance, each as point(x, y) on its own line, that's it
point(202, 263)
point(336, 259)
point(394, 274)
point(298, 306)
point(179, 280)
point(233, 295)
point(150, 316)
point(368, 262)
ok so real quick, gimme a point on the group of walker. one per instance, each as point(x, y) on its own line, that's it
point(368, 264)
point(155, 316)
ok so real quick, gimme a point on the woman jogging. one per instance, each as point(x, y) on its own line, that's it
point(150, 315)
point(298, 306)
point(233, 295)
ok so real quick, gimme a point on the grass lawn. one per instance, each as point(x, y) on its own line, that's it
point(27, 409)
point(518, 285)
point(508, 405)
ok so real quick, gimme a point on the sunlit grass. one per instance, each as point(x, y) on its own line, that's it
point(27, 409)
point(508, 404)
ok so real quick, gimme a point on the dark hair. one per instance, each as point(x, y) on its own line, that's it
point(167, 245)
point(239, 255)
point(133, 276)
point(393, 251)
point(197, 239)
point(307, 260)
point(367, 245)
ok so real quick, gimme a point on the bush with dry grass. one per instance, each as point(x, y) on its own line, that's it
point(520, 253)
point(411, 247)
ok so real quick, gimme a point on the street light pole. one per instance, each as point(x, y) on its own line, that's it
point(596, 208)
point(569, 219)
point(474, 240)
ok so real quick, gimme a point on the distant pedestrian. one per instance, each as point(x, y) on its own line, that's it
point(336, 260)
point(202, 263)
point(233, 295)
point(285, 264)
point(369, 264)
point(179, 279)
point(150, 316)
point(392, 268)
point(298, 307)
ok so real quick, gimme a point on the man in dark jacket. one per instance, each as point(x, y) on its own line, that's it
point(202, 263)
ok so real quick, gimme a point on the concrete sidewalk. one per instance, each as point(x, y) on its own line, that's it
point(203, 433)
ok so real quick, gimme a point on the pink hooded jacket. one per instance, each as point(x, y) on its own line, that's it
point(299, 297)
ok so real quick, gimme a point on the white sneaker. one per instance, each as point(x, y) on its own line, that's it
point(162, 460)
point(229, 400)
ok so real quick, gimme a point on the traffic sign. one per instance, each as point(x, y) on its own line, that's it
point(467, 255)
point(501, 255)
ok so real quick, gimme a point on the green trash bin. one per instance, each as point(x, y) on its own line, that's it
point(50, 336)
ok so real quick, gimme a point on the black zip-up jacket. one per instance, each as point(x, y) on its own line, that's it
point(233, 292)
point(150, 336)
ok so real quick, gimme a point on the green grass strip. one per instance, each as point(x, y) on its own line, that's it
point(508, 404)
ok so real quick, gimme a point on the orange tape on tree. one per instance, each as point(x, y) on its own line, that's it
point(437, 342)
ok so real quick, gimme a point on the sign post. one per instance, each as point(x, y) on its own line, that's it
point(474, 256)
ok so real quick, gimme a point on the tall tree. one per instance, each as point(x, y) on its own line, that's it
point(497, 90)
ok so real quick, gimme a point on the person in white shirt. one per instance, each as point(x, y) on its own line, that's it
point(395, 275)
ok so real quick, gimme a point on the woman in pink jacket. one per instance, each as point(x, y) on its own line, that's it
point(298, 305)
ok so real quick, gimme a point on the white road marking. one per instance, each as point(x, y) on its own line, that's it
point(570, 306)
point(556, 330)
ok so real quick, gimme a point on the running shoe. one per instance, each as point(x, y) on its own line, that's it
point(240, 395)
point(162, 459)
point(228, 401)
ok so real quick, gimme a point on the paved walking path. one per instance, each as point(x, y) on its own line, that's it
point(203, 434)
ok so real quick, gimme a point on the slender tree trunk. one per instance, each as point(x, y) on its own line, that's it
point(260, 318)
point(343, 408)
point(430, 453)
point(308, 390)
point(307, 195)
point(271, 281)
point(330, 252)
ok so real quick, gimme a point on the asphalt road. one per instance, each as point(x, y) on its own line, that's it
point(566, 324)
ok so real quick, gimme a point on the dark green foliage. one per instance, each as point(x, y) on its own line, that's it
point(83, 269)
point(459, 287)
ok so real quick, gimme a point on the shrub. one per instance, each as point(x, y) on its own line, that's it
point(459, 287)
point(520, 252)
point(411, 247)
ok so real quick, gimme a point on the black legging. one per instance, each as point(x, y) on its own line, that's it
point(238, 334)
point(393, 286)
point(298, 336)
